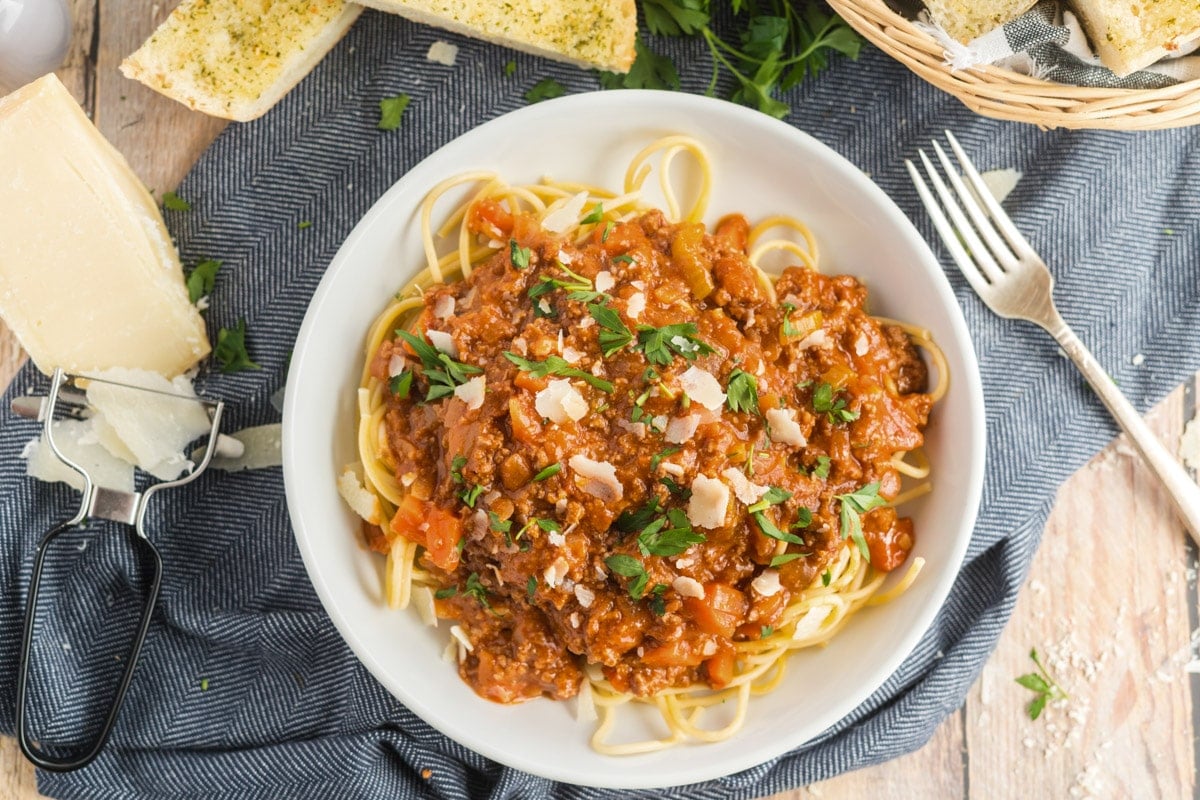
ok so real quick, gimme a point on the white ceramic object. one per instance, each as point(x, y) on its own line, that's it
point(762, 167)
point(34, 37)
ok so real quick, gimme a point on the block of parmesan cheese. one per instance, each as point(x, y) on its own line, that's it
point(1130, 36)
point(236, 58)
point(89, 278)
point(581, 32)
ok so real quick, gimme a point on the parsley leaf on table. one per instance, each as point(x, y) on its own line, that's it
point(391, 111)
point(1042, 685)
point(202, 279)
point(545, 89)
point(230, 351)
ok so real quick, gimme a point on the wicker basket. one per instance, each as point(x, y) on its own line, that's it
point(1003, 94)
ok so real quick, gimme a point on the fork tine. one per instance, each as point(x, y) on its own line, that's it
point(961, 258)
point(970, 201)
point(1018, 242)
point(977, 250)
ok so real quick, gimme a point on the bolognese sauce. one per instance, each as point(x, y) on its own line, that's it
point(633, 452)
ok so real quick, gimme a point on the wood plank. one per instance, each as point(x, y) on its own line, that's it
point(1106, 606)
point(160, 138)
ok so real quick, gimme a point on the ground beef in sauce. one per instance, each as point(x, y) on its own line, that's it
point(520, 515)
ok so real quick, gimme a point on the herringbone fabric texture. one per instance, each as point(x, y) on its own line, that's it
point(245, 689)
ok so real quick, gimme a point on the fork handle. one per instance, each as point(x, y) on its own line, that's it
point(1184, 492)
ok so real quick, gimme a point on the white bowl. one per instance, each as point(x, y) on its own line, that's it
point(762, 167)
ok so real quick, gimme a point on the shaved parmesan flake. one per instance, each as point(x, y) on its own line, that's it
point(154, 427)
point(688, 587)
point(422, 598)
point(564, 214)
point(584, 595)
point(442, 53)
point(810, 623)
point(635, 305)
point(767, 584)
point(396, 364)
point(638, 429)
point(444, 342)
point(556, 538)
point(565, 258)
point(362, 502)
point(604, 281)
point(472, 392)
point(784, 427)
point(458, 633)
point(674, 469)
point(555, 573)
point(749, 493)
point(571, 355)
point(76, 439)
point(815, 339)
point(560, 401)
point(585, 705)
point(1000, 182)
point(600, 478)
point(702, 387)
point(680, 429)
point(708, 503)
point(444, 307)
point(861, 345)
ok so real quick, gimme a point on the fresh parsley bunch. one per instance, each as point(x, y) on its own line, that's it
point(778, 44)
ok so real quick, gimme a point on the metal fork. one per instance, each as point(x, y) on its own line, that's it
point(1014, 282)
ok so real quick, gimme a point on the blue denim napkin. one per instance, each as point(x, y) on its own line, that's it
point(245, 690)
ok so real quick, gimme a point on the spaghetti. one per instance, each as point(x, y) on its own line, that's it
point(629, 463)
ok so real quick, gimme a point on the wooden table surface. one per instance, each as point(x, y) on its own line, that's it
point(1116, 631)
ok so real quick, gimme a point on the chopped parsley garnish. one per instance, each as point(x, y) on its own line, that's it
point(788, 328)
point(545, 89)
point(174, 202)
point(202, 279)
point(742, 392)
point(658, 604)
point(391, 111)
point(497, 524)
point(531, 587)
point(614, 334)
point(624, 258)
point(772, 497)
point(826, 401)
point(448, 592)
point(780, 560)
point(595, 216)
point(826, 577)
point(769, 529)
point(821, 470)
point(661, 344)
point(518, 255)
point(657, 458)
point(477, 590)
point(230, 351)
point(577, 287)
point(443, 373)
point(548, 472)
point(470, 493)
point(555, 365)
point(804, 518)
point(658, 540)
point(630, 567)
point(401, 384)
point(681, 493)
point(855, 504)
point(635, 519)
point(1044, 687)
point(766, 631)
point(608, 229)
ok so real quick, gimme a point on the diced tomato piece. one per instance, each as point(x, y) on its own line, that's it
point(720, 668)
point(489, 218)
point(526, 426)
point(890, 547)
point(734, 230)
point(676, 653)
point(720, 611)
point(432, 527)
